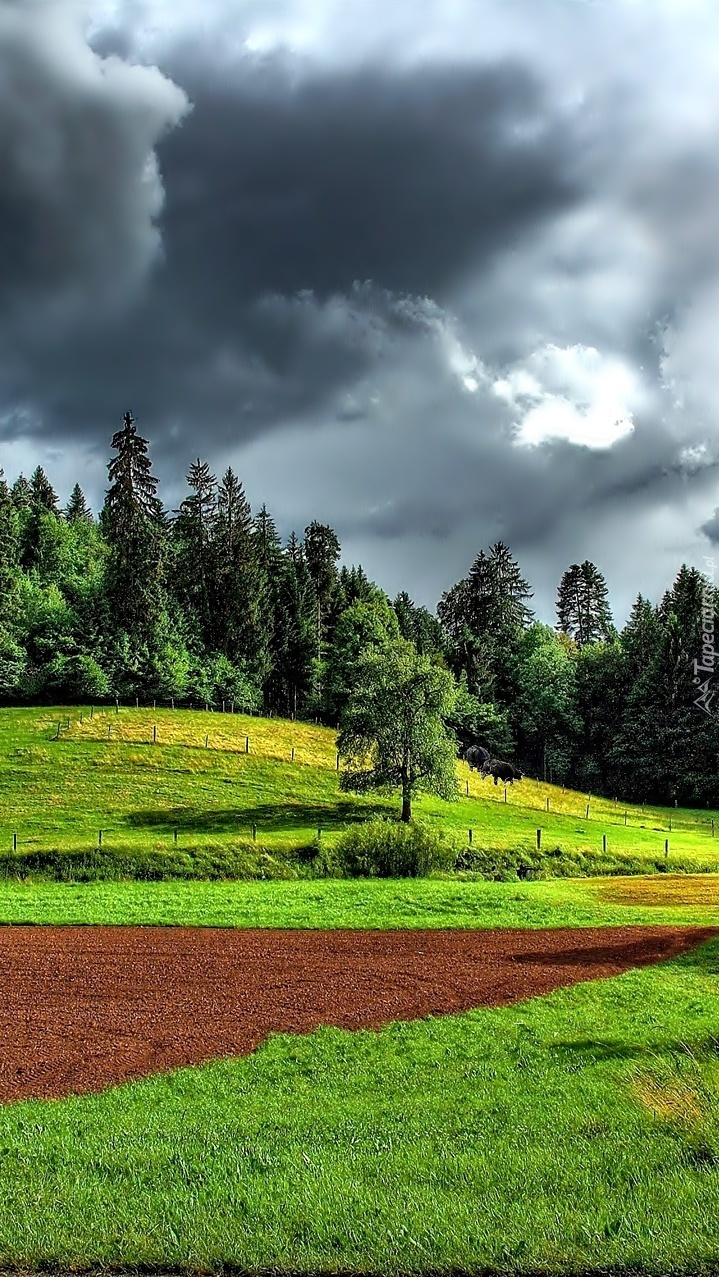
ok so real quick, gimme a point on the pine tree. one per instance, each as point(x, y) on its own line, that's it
point(21, 493)
point(9, 543)
point(483, 617)
point(42, 494)
point(77, 509)
point(582, 604)
point(322, 551)
point(295, 642)
point(133, 521)
point(192, 533)
point(239, 612)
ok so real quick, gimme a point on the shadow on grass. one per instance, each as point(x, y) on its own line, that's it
point(641, 952)
point(276, 817)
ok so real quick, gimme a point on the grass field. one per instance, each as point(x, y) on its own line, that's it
point(570, 1133)
point(189, 807)
point(573, 1133)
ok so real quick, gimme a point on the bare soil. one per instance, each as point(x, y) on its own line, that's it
point(84, 1008)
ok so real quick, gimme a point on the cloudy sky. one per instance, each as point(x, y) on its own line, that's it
point(436, 273)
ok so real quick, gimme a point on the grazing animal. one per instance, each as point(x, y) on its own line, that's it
point(476, 756)
point(501, 770)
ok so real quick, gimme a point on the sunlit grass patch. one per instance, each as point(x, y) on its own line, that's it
point(668, 890)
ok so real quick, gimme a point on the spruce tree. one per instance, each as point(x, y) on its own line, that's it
point(192, 533)
point(133, 521)
point(42, 494)
point(239, 616)
point(322, 551)
point(21, 493)
point(77, 510)
point(296, 638)
point(582, 604)
point(9, 543)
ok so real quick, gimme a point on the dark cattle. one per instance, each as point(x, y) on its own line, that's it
point(476, 756)
point(501, 770)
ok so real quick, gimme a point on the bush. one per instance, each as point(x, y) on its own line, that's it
point(512, 866)
point(391, 849)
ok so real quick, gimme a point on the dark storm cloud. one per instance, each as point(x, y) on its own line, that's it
point(79, 187)
point(281, 197)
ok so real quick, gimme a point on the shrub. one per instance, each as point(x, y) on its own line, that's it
point(513, 865)
point(392, 849)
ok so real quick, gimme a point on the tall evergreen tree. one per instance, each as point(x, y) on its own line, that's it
point(583, 604)
point(192, 534)
point(9, 544)
point(21, 493)
point(43, 495)
point(239, 611)
point(77, 510)
point(296, 637)
point(133, 521)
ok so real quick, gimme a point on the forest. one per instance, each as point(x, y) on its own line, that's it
point(205, 604)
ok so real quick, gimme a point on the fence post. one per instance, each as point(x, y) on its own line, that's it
point(547, 802)
point(604, 842)
point(666, 848)
point(154, 733)
point(586, 814)
point(539, 839)
point(172, 702)
point(670, 824)
point(137, 702)
point(319, 833)
point(57, 734)
point(206, 739)
point(99, 837)
point(469, 831)
point(254, 833)
point(625, 818)
point(247, 744)
point(14, 842)
point(223, 707)
point(467, 789)
point(337, 763)
point(505, 793)
point(175, 836)
point(92, 710)
point(292, 759)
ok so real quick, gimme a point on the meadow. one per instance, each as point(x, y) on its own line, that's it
point(577, 1132)
point(573, 1133)
point(165, 793)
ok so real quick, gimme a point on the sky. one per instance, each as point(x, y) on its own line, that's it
point(437, 274)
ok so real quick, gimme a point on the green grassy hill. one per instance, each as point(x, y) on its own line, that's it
point(159, 793)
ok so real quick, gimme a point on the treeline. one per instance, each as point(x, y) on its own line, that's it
point(205, 604)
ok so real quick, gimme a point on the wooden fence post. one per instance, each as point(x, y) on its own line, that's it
point(247, 744)
point(154, 734)
point(604, 842)
point(539, 839)
point(469, 831)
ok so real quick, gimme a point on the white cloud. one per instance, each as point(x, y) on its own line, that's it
point(573, 393)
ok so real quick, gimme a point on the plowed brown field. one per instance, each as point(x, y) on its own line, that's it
point(84, 1008)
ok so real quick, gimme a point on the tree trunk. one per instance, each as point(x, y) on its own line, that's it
point(406, 807)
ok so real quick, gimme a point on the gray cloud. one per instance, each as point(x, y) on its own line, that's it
point(364, 233)
point(80, 191)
